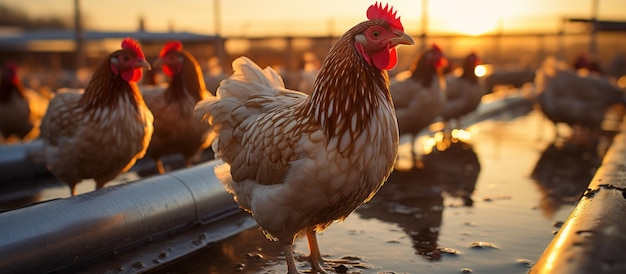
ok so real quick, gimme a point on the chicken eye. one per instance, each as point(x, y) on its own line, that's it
point(375, 33)
point(125, 58)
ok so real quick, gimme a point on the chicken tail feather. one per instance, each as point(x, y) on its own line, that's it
point(245, 70)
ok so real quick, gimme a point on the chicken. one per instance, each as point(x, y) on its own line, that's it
point(15, 114)
point(509, 79)
point(298, 162)
point(214, 74)
point(463, 93)
point(587, 64)
point(21, 109)
point(176, 130)
point(311, 66)
point(419, 99)
point(566, 97)
point(102, 132)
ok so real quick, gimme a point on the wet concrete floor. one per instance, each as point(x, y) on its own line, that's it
point(488, 203)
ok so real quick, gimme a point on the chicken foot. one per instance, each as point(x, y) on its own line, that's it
point(316, 256)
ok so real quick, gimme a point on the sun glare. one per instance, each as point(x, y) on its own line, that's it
point(473, 26)
point(482, 70)
point(468, 18)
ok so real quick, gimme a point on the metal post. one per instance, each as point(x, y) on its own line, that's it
point(79, 39)
point(220, 52)
point(593, 39)
point(424, 24)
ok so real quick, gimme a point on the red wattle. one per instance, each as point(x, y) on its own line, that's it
point(168, 70)
point(386, 59)
point(393, 59)
point(132, 75)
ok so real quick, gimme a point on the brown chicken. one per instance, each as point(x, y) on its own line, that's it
point(21, 109)
point(420, 98)
point(102, 132)
point(176, 130)
point(15, 114)
point(299, 162)
point(463, 93)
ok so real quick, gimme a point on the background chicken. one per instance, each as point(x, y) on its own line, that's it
point(566, 97)
point(176, 130)
point(214, 74)
point(509, 79)
point(297, 162)
point(419, 99)
point(310, 69)
point(463, 93)
point(102, 132)
point(21, 109)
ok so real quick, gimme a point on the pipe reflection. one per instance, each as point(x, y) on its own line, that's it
point(563, 172)
point(414, 199)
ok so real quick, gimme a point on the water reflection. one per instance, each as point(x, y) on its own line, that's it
point(563, 172)
point(226, 256)
point(414, 199)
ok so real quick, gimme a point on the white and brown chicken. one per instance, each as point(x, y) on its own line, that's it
point(101, 132)
point(298, 162)
point(176, 130)
point(420, 98)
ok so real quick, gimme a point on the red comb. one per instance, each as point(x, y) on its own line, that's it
point(377, 11)
point(435, 47)
point(133, 45)
point(171, 45)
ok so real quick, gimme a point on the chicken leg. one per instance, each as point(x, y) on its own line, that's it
point(291, 262)
point(72, 189)
point(160, 167)
point(416, 158)
point(316, 256)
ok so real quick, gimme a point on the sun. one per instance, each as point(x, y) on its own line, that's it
point(473, 26)
point(468, 18)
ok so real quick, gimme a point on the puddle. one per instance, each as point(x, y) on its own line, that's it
point(489, 205)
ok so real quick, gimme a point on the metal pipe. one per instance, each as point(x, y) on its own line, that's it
point(59, 233)
point(25, 162)
point(17, 163)
point(592, 238)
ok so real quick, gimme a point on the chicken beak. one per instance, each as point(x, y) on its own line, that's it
point(141, 63)
point(403, 39)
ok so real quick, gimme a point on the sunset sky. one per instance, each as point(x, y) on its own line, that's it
point(322, 17)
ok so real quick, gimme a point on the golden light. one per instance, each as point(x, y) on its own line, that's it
point(466, 19)
point(461, 134)
point(428, 143)
point(621, 82)
point(483, 70)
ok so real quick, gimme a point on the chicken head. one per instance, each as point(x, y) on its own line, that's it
point(170, 58)
point(129, 61)
point(377, 45)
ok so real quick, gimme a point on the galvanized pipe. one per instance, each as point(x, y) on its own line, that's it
point(17, 163)
point(592, 239)
point(56, 234)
